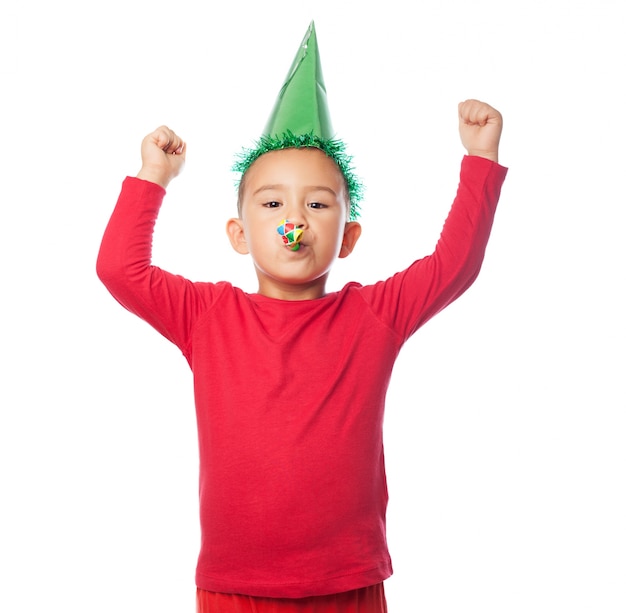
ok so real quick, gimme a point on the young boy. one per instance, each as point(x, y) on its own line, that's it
point(290, 381)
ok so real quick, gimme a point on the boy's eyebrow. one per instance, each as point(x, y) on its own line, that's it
point(323, 188)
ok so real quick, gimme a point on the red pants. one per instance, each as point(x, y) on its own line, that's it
point(365, 600)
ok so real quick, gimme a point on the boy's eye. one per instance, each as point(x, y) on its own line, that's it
point(317, 205)
point(272, 204)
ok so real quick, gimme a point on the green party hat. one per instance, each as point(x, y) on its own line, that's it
point(300, 118)
point(301, 106)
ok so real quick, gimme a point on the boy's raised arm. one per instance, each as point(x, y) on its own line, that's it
point(166, 301)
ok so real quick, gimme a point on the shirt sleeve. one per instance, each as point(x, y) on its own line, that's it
point(410, 298)
point(169, 303)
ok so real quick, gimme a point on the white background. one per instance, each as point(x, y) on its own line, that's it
point(505, 429)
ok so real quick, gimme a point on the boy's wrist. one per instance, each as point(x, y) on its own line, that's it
point(489, 155)
point(154, 175)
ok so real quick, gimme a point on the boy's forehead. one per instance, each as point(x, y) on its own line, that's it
point(295, 166)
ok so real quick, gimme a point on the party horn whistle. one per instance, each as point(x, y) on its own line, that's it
point(290, 234)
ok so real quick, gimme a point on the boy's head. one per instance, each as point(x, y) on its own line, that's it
point(297, 171)
point(306, 187)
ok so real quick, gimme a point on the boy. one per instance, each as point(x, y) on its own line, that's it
point(290, 382)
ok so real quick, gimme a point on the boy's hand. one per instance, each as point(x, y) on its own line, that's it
point(162, 155)
point(480, 126)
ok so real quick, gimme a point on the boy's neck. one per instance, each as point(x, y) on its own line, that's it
point(292, 292)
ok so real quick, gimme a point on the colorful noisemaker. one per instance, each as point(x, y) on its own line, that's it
point(290, 234)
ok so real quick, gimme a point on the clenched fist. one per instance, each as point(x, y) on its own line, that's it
point(480, 127)
point(162, 156)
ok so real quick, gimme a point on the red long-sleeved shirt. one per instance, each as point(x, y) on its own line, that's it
point(290, 396)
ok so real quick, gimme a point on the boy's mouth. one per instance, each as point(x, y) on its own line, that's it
point(298, 247)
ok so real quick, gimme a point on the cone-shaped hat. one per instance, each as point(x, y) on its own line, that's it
point(301, 106)
point(300, 118)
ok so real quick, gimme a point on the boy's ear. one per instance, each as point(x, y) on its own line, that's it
point(350, 237)
point(234, 229)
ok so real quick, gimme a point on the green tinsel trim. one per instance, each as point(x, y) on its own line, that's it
point(333, 148)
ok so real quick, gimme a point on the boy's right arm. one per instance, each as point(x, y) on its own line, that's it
point(168, 302)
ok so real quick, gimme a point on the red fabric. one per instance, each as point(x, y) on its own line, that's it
point(290, 397)
point(369, 599)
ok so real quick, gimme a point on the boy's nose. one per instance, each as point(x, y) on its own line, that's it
point(297, 220)
point(295, 212)
point(299, 224)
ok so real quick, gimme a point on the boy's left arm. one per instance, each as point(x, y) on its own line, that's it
point(410, 298)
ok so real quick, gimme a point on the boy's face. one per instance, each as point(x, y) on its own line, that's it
point(306, 187)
